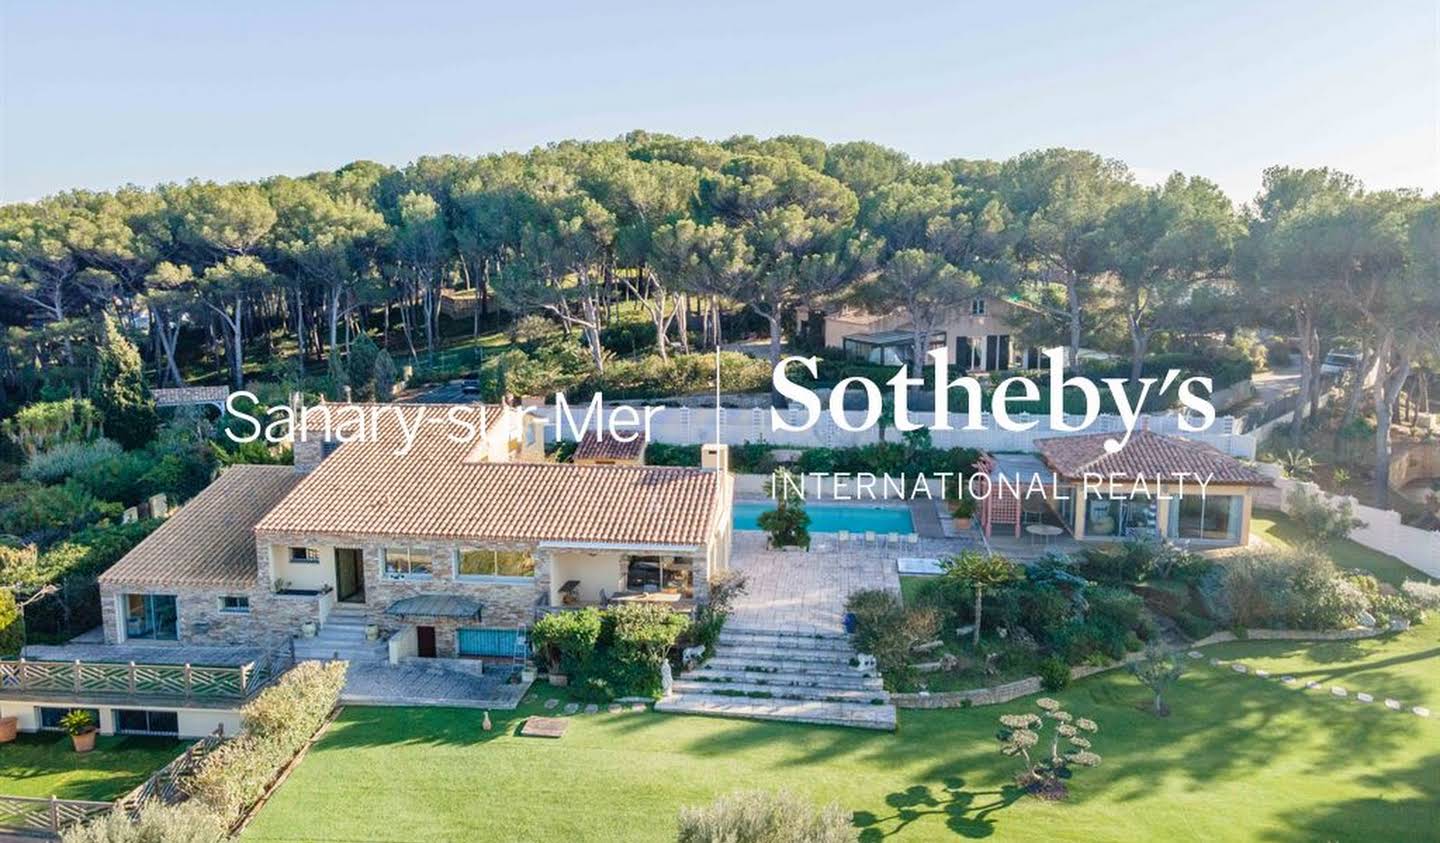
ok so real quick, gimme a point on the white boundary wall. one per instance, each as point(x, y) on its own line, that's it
point(1420, 549)
point(689, 426)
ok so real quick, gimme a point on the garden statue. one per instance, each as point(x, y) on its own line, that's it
point(666, 678)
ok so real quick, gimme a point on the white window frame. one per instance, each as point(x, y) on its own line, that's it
point(311, 557)
point(492, 578)
point(977, 306)
point(409, 573)
point(221, 607)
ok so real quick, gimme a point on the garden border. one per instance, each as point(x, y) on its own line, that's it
point(999, 694)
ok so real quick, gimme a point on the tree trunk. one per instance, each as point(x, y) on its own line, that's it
point(1072, 301)
point(1387, 394)
point(975, 639)
point(774, 319)
point(1138, 343)
point(1357, 389)
point(1307, 356)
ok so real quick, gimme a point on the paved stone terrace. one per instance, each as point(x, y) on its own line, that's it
point(409, 684)
point(804, 592)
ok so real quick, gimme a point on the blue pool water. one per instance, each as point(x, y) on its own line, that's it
point(830, 518)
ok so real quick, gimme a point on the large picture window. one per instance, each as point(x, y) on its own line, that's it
point(1209, 517)
point(150, 616)
point(485, 562)
point(407, 561)
point(137, 721)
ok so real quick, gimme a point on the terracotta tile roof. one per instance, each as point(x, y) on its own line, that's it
point(593, 447)
point(1148, 453)
point(341, 414)
point(439, 490)
point(210, 540)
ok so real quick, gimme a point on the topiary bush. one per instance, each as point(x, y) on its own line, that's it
point(1054, 673)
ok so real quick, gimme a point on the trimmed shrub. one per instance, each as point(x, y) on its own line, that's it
point(636, 639)
point(566, 640)
point(761, 817)
point(157, 823)
point(277, 724)
point(1054, 674)
point(1423, 594)
point(1194, 626)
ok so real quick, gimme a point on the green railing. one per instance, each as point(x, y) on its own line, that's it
point(132, 679)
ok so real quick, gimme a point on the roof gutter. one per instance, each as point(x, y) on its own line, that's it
point(640, 546)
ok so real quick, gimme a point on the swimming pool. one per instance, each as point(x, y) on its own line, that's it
point(830, 518)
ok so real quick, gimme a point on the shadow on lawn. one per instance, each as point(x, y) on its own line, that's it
point(1407, 818)
point(967, 812)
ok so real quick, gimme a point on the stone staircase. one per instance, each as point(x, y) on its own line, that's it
point(766, 674)
point(342, 636)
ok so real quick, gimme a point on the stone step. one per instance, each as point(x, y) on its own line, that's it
point(760, 691)
point(783, 642)
point(850, 681)
point(740, 629)
point(725, 662)
point(856, 715)
point(838, 658)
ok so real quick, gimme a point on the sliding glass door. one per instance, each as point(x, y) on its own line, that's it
point(151, 616)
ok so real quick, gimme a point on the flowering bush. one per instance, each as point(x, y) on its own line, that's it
point(761, 817)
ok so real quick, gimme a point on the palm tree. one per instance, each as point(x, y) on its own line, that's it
point(981, 571)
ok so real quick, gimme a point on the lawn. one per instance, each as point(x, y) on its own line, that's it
point(1240, 758)
point(47, 764)
point(1278, 528)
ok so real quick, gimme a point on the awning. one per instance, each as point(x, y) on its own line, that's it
point(436, 606)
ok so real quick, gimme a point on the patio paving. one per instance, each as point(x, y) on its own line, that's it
point(805, 592)
point(408, 684)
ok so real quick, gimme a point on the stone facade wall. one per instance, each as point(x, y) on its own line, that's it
point(504, 604)
point(270, 621)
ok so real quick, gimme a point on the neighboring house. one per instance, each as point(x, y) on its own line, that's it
point(1170, 503)
point(982, 335)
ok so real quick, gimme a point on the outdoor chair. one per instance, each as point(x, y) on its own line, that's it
point(842, 536)
point(912, 538)
point(869, 536)
point(892, 538)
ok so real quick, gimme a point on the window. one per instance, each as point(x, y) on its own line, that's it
point(137, 721)
point(1209, 517)
point(150, 616)
point(485, 562)
point(304, 556)
point(407, 561)
point(50, 716)
point(977, 306)
point(237, 603)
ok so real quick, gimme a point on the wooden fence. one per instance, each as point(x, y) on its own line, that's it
point(167, 680)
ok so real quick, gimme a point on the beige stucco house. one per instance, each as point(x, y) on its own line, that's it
point(981, 335)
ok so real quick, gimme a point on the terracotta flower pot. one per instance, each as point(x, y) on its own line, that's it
point(962, 523)
point(85, 741)
point(8, 727)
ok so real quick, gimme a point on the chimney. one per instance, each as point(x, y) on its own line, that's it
point(715, 455)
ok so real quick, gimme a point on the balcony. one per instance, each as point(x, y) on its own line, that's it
point(101, 673)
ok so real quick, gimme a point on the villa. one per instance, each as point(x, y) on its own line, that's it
point(979, 336)
point(449, 551)
point(1157, 485)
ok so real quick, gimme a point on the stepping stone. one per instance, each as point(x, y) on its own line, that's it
point(1288, 680)
point(637, 706)
point(591, 708)
point(1238, 668)
point(1195, 654)
point(1263, 674)
point(1311, 685)
point(571, 708)
point(1363, 697)
point(1421, 711)
point(544, 727)
point(614, 708)
point(551, 703)
point(1393, 705)
point(1338, 691)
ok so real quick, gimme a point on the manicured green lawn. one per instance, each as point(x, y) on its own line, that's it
point(1240, 759)
point(1278, 528)
point(47, 764)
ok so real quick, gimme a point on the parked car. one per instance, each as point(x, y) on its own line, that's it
point(1339, 361)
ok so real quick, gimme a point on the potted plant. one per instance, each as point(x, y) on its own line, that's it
point(962, 512)
point(80, 725)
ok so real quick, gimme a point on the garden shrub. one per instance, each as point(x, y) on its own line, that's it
point(566, 640)
point(65, 459)
point(45, 513)
point(763, 817)
point(276, 725)
point(12, 625)
point(1195, 627)
point(1054, 674)
point(1114, 607)
point(1423, 594)
point(1390, 607)
point(1321, 522)
point(1127, 562)
point(704, 630)
point(44, 424)
point(889, 631)
point(636, 638)
point(1299, 589)
point(156, 823)
point(788, 524)
point(661, 453)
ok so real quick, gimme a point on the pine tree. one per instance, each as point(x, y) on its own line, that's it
point(119, 393)
point(384, 376)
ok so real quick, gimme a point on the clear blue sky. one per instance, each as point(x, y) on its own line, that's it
point(96, 95)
